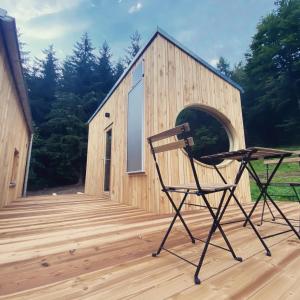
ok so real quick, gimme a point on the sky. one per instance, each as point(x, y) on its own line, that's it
point(210, 28)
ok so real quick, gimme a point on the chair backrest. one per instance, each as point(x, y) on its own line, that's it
point(294, 159)
point(186, 142)
point(285, 160)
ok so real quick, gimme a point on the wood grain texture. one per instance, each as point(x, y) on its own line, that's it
point(14, 134)
point(87, 247)
point(174, 145)
point(172, 80)
point(170, 132)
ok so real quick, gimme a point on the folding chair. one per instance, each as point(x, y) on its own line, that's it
point(192, 188)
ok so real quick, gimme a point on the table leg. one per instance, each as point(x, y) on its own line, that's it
point(237, 179)
point(283, 215)
point(264, 193)
point(263, 187)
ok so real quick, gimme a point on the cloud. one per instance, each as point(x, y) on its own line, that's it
point(214, 62)
point(57, 30)
point(186, 36)
point(135, 8)
point(26, 10)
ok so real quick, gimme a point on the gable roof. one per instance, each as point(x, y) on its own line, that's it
point(11, 46)
point(170, 39)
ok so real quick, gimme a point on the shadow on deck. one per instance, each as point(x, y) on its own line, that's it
point(84, 247)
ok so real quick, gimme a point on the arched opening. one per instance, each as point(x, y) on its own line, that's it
point(210, 133)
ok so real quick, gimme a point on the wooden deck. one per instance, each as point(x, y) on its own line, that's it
point(81, 247)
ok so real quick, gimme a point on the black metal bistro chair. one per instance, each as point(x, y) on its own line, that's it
point(194, 188)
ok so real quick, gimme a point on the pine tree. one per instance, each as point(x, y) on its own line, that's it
point(24, 55)
point(42, 81)
point(118, 70)
point(79, 68)
point(224, 67)
point(104, 71)
point(65, 141)
point(49, 74)
point(133, 49)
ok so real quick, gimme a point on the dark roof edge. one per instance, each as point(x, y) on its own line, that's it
point(180, 46)
point(11, 45)
point(126, 71)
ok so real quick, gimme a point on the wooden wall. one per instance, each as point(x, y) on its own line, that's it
point(173, 80)
point(14, 133)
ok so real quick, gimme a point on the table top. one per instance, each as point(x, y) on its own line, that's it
point(253, 152)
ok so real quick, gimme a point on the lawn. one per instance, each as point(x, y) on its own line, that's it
point(287, 172)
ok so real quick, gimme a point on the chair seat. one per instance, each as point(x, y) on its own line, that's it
point(205, 188)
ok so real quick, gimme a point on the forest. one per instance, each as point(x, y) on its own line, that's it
point(64, 94)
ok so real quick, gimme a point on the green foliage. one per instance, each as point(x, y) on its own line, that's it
point(208, 133)
point(224, 67)
point(42, 82)
point(133, 49)
point(118, 70)
point(104, 76)
point(270, 77)
point(272, 98)
point(61, 106)
point(79, 69)
point(287, 172)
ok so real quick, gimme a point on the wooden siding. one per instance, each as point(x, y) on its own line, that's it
point(14, 133)
point(173, 80)
point(86, 247)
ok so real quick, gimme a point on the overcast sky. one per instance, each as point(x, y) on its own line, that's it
point(210, 28)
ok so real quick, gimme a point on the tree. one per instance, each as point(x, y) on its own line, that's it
point(65, 141)
point(238, 73)
point(272, 99)
point(118, 70)
point(42, 81)
point(61, 105)
point(133, 48)
point(49, 74)
point(224, 67)
point(79, 68)
point(104, 71)
point(24, 55)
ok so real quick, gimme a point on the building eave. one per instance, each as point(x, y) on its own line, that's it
point(11, 45)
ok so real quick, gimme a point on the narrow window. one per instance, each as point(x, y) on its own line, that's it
point(14, 172)
point(135, 124)
point(107, 162)
point(137, 73)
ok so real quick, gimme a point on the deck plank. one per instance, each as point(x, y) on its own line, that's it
point(85, 247)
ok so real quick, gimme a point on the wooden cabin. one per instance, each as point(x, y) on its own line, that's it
point(15, 116)
point(163, 79)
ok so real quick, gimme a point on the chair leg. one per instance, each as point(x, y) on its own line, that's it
point(270, 210)
point(263, 211)
point(283, 216)
point(177, 214)
point(196, 275)
point(216, 224)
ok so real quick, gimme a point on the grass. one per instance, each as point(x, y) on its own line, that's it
point(287, 172)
